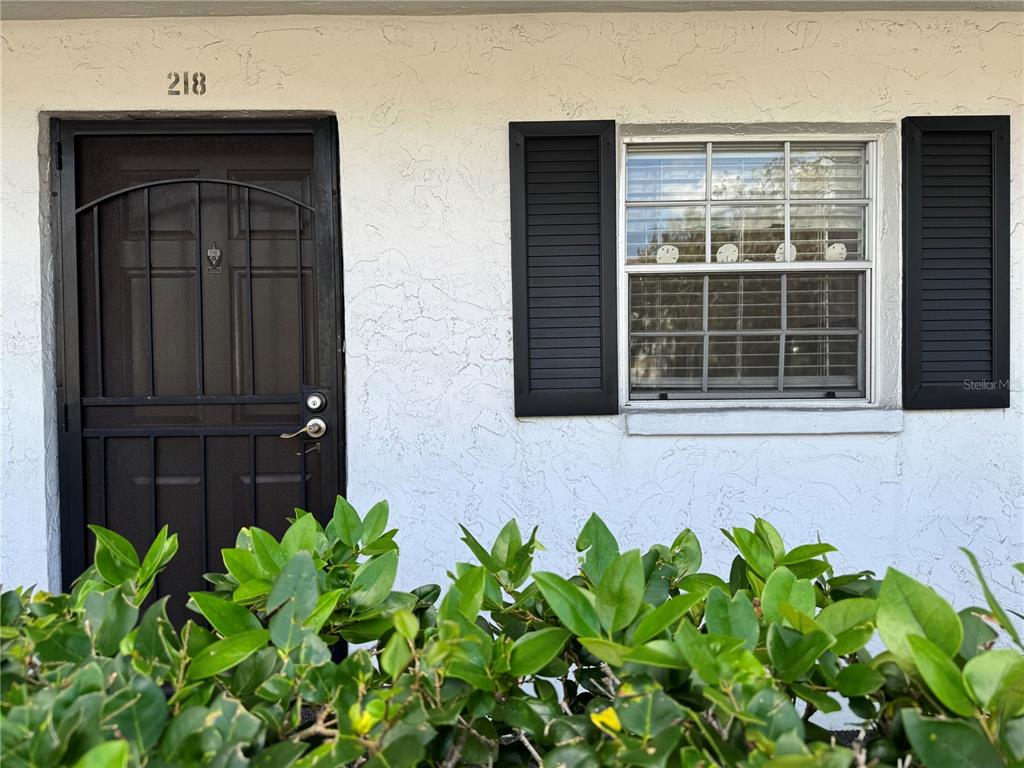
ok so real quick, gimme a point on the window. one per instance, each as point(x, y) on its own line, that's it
point(748, 267)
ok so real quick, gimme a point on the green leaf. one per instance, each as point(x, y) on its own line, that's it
point(117, 544)
point(985, 673)
point(658, 653)
point(809, 569)
point(407, 624)
point(506, 545)
point(783, 587)
point(978, 635)
point(534, 650)
point(156, 640)
point(110, 568)
point(701, 583)
point(465, 596)
point(346, 523)
point(141, 720)
point(993, 603)
point(301, 535)
point(373, 580)
point(799, 620)
point(754, 551)
point(404, 752)
point(572, 756)
point(224, 654)
point(645, 711)
point(297, 581)
point(569, 603)
point(109, 616)
point(767, 533)
point(1011, 736)
point(852, 640)
point(819, 699)
point(805, 552)
point(323, 609)
point(158, 555)
point(243, 566)
point(280, 755)
point(226, 617)
point(949, 743)
point(697, 651)
point(778, 715)
point(686, 554)
point(269, 554)
point(793, 653)
point(846, 614)
point(109, 754)
point(734, 617)
point(908, 607)
point(942, 675)
point(251, 591)
point(665, 616)
point(620, 592)
point(1008, 700)
point(850, 621)
point(601, 547)
point(180, 731)
point(478, 550)
point(395, 656)
point(375, 522)
point(858, 680)
point(606, 650)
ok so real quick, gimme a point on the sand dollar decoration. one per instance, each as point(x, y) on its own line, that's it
point(835, 252)
point(728, 254)
point(785, 254)
point(667, 254)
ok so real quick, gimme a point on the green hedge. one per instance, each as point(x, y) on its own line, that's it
point(637, 659)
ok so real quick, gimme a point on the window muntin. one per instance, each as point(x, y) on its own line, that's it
point(701, 323)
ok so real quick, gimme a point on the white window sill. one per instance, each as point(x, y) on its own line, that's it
point(764, 421)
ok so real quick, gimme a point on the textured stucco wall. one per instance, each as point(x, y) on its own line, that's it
point(423, 106)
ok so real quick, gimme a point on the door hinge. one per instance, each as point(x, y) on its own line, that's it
point(65, 417)
point(60, 156)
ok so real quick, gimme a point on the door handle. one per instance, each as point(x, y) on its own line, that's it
point(315, 428)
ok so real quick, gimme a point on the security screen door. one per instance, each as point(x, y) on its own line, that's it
point(200, 325)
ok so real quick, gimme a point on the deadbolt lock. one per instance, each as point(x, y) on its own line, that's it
point(315, 401)
point(315, 428)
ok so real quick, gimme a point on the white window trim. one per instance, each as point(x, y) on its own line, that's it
point(881, 379)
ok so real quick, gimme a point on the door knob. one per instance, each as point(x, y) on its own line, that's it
point(315, 428)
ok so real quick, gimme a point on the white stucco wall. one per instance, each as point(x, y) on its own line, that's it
point(423, 106)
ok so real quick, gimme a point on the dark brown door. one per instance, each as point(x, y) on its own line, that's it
point(200, 298)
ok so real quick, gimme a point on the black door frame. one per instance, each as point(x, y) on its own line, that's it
point(63, 233)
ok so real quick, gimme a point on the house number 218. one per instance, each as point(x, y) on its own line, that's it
point(180, 83)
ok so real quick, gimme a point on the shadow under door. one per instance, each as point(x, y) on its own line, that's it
point(200, 321)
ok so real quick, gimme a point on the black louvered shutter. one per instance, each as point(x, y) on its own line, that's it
point(563, 267)
point(956, 250)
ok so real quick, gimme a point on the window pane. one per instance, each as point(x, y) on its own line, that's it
point(823, 170)
point(743, 171)
point(662, 363)
point(827, 232)
point(676, 173)
point(744, 302)
point(827, 300)
point(666, 304)
point(822, 362)
point(755, 232)
point(743, 362)
point(664, 235)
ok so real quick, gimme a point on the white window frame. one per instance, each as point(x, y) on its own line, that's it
point(872, 246)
